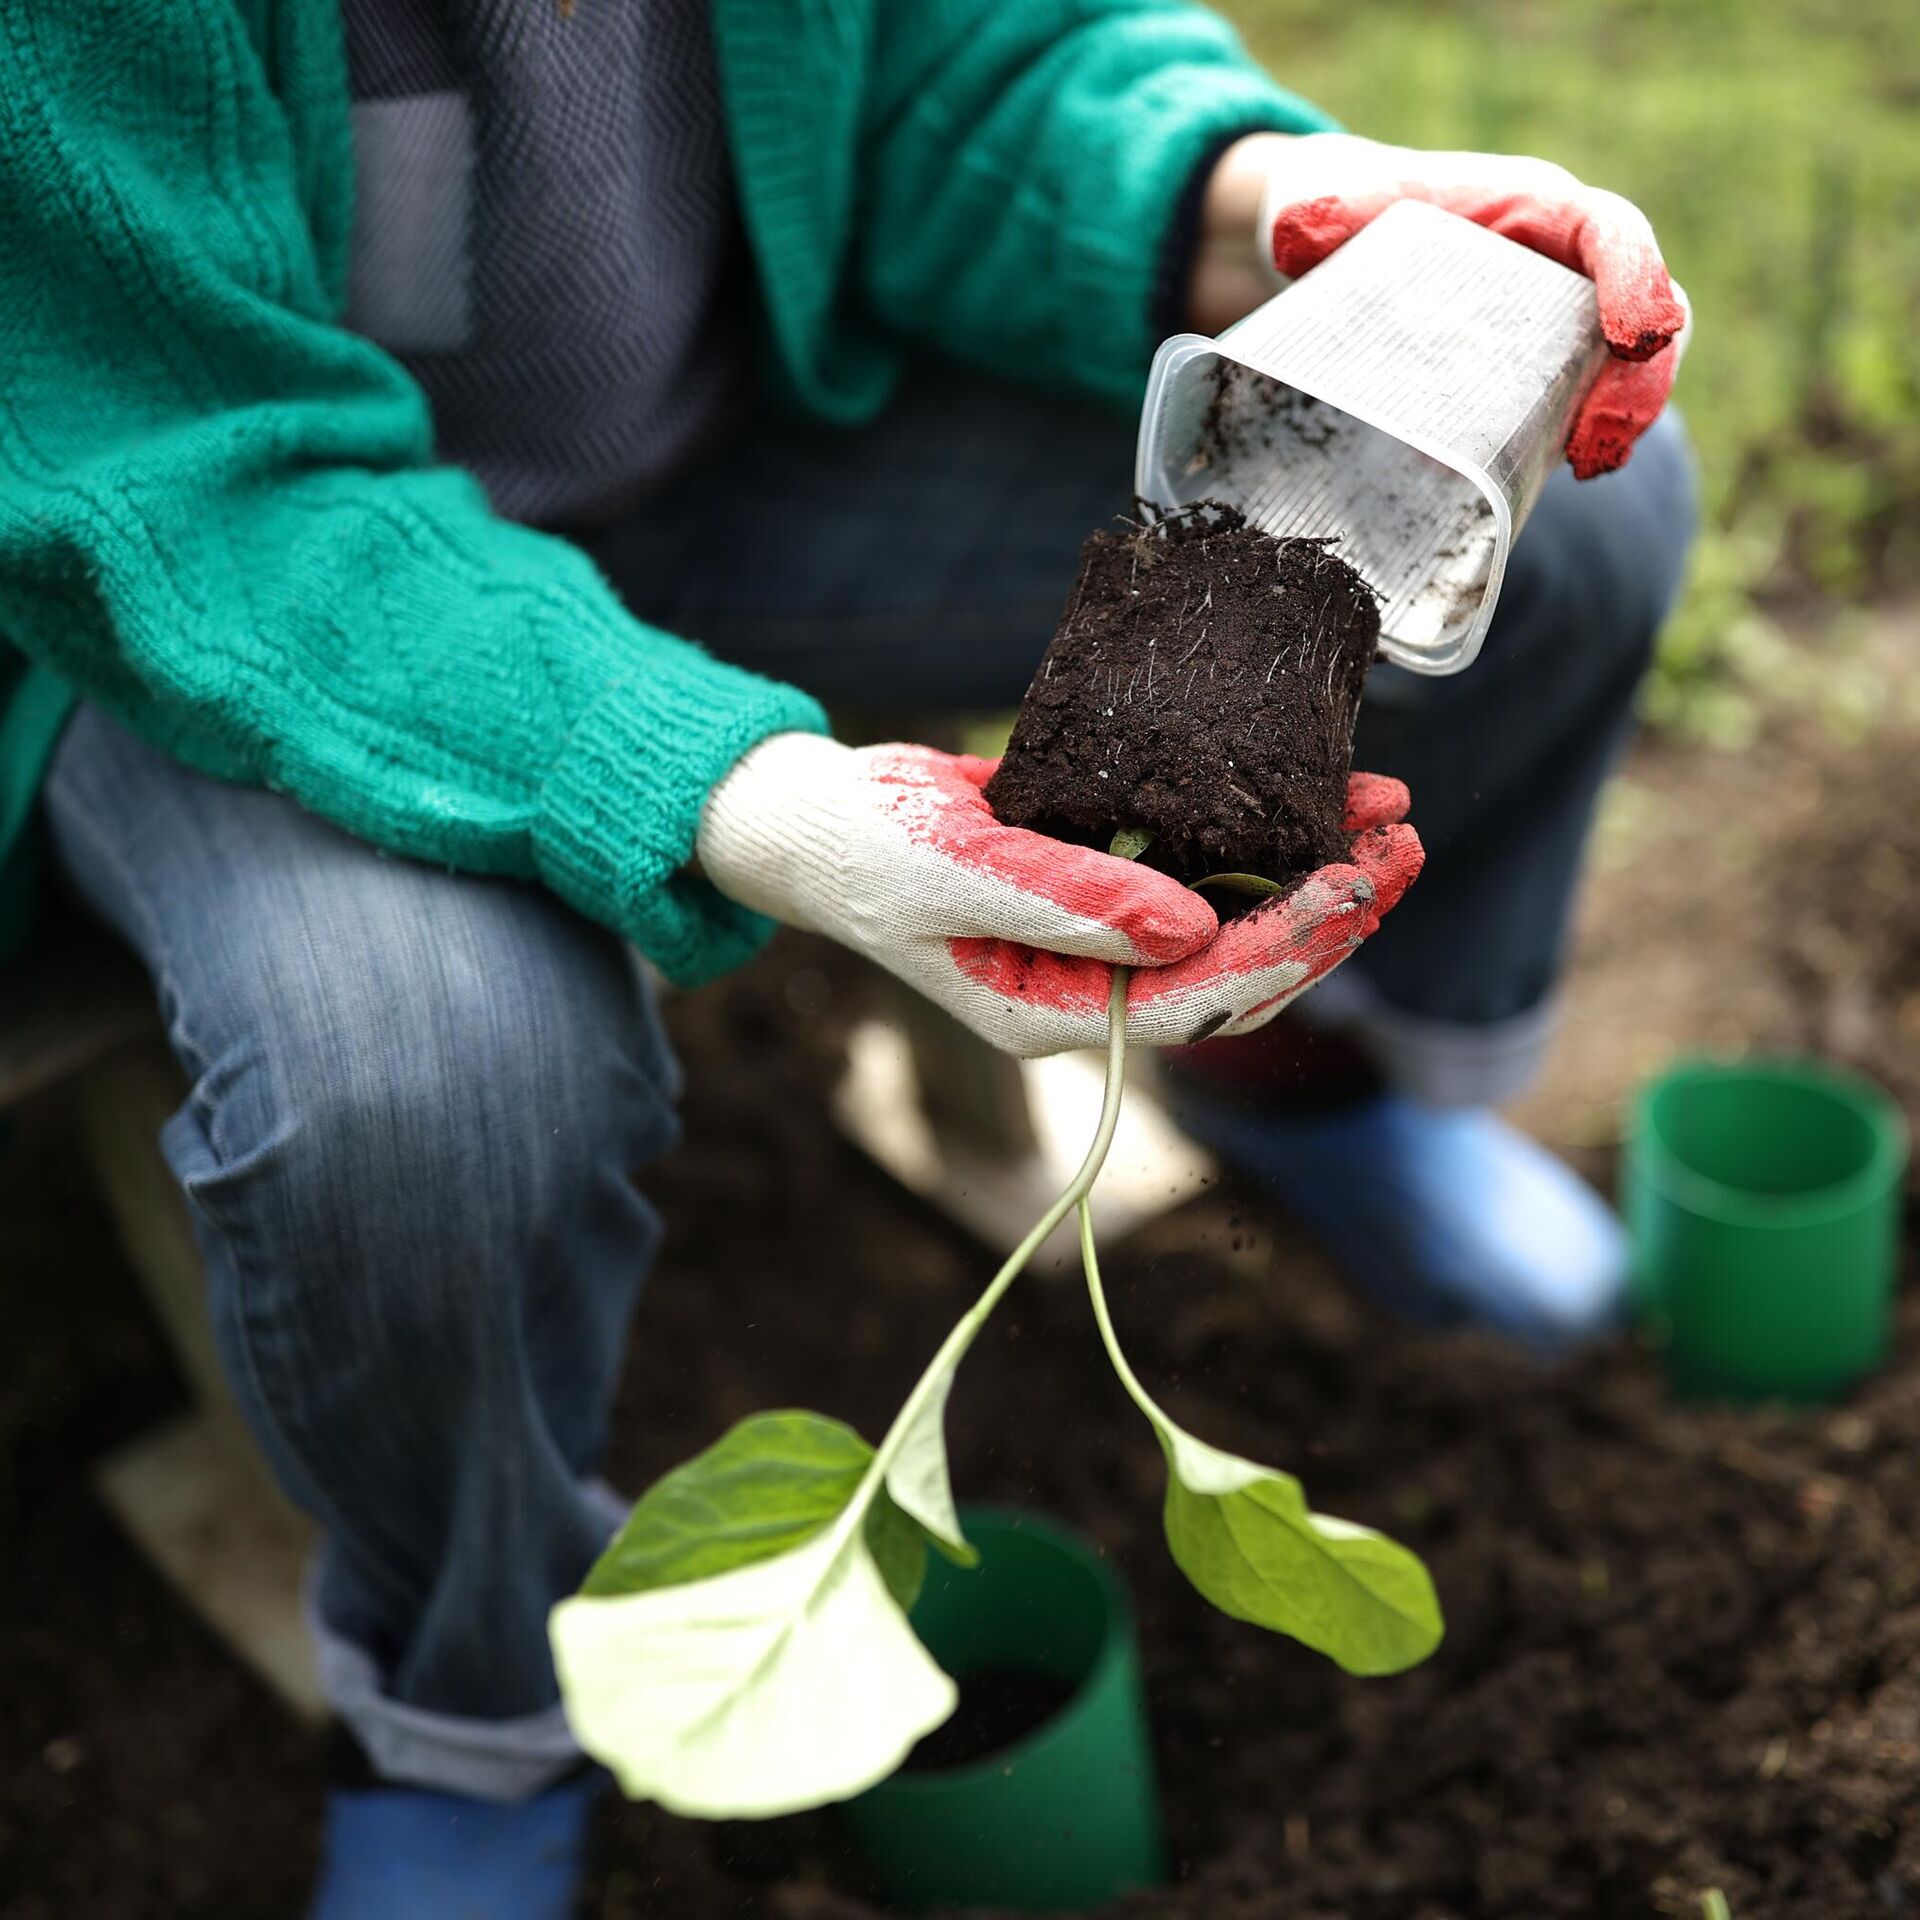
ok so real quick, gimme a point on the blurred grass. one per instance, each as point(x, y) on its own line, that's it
point(1776, 146)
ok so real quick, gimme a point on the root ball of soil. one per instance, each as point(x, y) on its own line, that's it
point(1203, 683)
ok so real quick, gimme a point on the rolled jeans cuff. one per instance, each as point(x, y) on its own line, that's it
point(1447, 1063)
point(501, 1760)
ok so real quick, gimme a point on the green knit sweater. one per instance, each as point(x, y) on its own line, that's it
point(219, 512)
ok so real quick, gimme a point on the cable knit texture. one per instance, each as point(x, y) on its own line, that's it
point(219, 512)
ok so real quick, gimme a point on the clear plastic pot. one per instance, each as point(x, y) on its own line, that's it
point(1410, 395)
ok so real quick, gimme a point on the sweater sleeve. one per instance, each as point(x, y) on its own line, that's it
point(219, 516)
point(1022, 165)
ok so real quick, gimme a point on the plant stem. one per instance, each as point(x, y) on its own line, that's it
point(968, 1326)
point(1090, 1265)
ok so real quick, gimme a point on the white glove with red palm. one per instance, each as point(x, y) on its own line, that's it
point(1322, 188)
point(894, 852)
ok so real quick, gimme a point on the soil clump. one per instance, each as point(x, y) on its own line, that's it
point(1203, 685)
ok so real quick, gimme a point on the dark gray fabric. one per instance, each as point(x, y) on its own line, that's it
point(408, 283)
point(546, 236)
point(398, 47)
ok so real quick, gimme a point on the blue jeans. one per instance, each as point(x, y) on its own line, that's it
point(418, 1099)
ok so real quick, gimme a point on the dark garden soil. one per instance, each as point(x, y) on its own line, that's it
point(1202, 684)
point(1763, 898)
point(997, 1707)
point(1683, 1647)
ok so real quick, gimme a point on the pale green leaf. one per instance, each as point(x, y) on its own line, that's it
point(780, 1685)
point(898, 1544)
point(1246, 1538)
point(742, 1647)
point(765, 1487)
point(918, 1479)
point(1130, 843)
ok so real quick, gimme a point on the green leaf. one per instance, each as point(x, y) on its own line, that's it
point(764, 1488)
point(742, 1647)
point(1253, 883)
point(1244, 1535)
point(1130, 843)
point(918, 1478)
point(1246, 1538)
point(780, 1685)
point(898, 1544)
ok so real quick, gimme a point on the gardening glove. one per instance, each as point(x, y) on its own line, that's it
point(1322, 188)
point(894, 852)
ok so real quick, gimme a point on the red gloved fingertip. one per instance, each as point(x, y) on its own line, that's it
point(1375, 800)
point(1312, 927)
point(1627, 398)
point(973, 768)
point(1306, 232)
point(1161, 919)
point(1315, 926)
point(1390, 857)
point(1164, 920)
point(1642, 321)
point(1592, 454)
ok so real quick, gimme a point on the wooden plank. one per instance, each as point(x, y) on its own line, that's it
point(195, 1495)
point(122, 1105)
point(198, 1503)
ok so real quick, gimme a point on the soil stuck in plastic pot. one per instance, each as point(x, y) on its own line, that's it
point(999, 1707)
point(1038, 1794)
point(1202, 685)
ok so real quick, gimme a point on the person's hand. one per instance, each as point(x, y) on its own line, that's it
point(1316, 191)
point(894, 852)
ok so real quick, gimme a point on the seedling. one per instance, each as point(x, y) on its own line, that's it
point(743, 1646)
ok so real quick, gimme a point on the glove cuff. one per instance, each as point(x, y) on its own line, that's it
point(769, 837)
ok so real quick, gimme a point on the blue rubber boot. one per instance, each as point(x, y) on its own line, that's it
point(1447, 1216)
point(393, 1853)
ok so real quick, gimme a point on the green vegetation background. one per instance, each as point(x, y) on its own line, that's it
point(1776, 146)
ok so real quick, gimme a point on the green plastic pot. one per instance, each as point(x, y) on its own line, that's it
point(1763, 1200)
point(1067, 1816)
